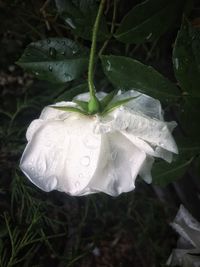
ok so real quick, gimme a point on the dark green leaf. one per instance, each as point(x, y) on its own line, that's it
point(186, 58)
point(148, 20)
point(187, 113)
point(164, 173)
point(80, 17)
point(57, 60)
point(127, 73)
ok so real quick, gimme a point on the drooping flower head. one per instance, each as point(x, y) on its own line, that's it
point(83, 154)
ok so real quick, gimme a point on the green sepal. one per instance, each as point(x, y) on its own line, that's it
point(107, 99)
point(82, 104)
point(71, 109)
point(117, 104)
point(94, 105)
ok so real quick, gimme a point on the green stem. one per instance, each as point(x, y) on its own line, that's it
point(94, 105)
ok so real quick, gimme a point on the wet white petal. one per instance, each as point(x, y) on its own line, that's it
point(142, 104)
point(66, 150)
point(33, 127)
point(118, 166)
point(82, 155)
point(145, 171)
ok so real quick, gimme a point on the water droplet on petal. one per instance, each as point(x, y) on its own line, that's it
point(164, 128)
point(77, 184)
point(32, 168)
point(90, 141)
point(113, 155)
point(80, 175)
point(85, 161)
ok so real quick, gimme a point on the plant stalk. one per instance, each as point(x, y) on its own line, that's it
point(94, 104)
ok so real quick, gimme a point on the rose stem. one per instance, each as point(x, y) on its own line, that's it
point(94, 105)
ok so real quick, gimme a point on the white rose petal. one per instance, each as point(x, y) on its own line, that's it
point(81, 155)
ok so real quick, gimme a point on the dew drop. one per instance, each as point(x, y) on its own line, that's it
point(80, 175)
point(68, 77)
point(36, 73)
point(63, 53)
point(108, 67)
point(32, 168)
point(176, 62)
point(50, 68)
point(74, 51)
point(113, 155)
point(77, 184)
point(149, 36)
point(48, 41)
point(164, 128)
point(70, 23)
point(85, 161)
point(90, 141)
point(52, 52)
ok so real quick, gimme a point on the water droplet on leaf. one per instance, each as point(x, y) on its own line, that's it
point(70, 23)
point(108, 66)
point(149, 36)
point(50, 68)
point(52, 52)
point(176, 62)
point(68, 77)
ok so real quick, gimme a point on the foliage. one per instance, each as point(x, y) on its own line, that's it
point(137, 44)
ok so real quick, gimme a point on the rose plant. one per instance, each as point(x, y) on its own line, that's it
point(100, 142)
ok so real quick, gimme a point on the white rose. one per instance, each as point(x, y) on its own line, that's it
point(80, 154)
